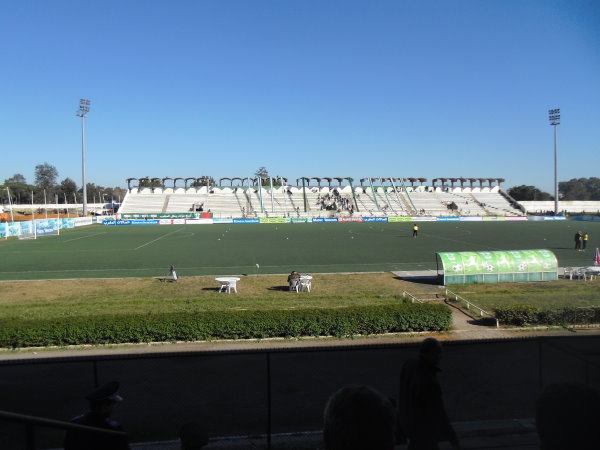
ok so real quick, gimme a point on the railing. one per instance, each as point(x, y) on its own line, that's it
point(412, 297)
point(482, 312)
point(31, 422)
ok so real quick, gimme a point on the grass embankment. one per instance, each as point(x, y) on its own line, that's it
point(547, 295)
point(58, 313)
point(563, 302)
point(67, 312)
point(60, 298)
point(74, 298)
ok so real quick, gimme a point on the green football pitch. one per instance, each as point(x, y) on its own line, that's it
point(225, 249)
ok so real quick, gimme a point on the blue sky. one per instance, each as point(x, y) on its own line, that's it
point(303, 87)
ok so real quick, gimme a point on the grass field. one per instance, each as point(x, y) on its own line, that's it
point(142, 251)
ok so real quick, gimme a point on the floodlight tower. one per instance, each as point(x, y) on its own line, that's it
point(554, 116)
point(84, 108)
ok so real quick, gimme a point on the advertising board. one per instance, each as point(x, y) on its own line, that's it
point(375, 219)
point(246, 220)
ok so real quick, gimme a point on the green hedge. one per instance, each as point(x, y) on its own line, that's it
point(118, 329)
point(523, 315)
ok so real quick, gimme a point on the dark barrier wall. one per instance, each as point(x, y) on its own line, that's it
point(228, 392)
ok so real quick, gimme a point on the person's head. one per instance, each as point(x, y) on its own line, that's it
point(430, 350)
point(359, 418)
point(567, 416)
point(104, 398)
point(192, 436)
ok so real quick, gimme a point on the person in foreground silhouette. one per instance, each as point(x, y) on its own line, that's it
point(422, 417)
point(359, 418)
point(567, 416)
point(102, 401)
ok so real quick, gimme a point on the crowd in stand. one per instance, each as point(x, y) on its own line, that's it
point(335, 202)
point(359, 417)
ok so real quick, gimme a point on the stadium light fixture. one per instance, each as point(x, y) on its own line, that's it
point(554, 116)
point(84, 108)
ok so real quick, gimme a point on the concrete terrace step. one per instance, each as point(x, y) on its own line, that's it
point(485, 434)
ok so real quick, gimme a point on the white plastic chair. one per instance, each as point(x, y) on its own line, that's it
point(581, 273)
point(305, 284)
point(295, 284)
point(228, 286)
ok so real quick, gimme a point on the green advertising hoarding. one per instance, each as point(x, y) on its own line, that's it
point(498, 266)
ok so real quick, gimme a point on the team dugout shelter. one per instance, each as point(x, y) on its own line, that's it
point(497, 266)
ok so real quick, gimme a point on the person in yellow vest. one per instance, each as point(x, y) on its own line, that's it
point(415, 230)
point(584, 240)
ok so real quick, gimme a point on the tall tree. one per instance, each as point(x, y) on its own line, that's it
point(150, 182)
point(525, 193)
point(115, 194)
point(580, 189)
point(263, 174)
point(66, 189)
point(93, 193)
point(20, 193)
point(45, 176)
point(204, 180)
point(16, 178)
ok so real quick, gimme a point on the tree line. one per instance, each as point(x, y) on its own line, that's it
point(574, 189)
point(46, 189)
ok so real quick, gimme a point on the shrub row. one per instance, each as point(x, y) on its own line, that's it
point(117, 329)
point(523, 315)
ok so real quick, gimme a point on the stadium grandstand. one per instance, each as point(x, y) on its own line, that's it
point(254, 197)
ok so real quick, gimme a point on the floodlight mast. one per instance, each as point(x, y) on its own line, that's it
point(84, 108)
point(554, 116)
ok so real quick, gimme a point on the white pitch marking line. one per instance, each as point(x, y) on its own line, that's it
point(83, 237)
point(158, 238)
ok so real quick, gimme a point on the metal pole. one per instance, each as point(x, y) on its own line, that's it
point(83, 165)
point(269, 431)
point(304, 194)
point(272, 202)
point(84, 108)
point(554, 116)
point(12, 219)
point(540, 361)
point(45, 205)
point(555, 176)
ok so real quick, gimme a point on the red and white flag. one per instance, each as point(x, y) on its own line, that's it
point(597, 257)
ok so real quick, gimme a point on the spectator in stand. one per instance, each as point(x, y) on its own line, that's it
point(359, 418)
point(567, 417)
point(102, 401)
